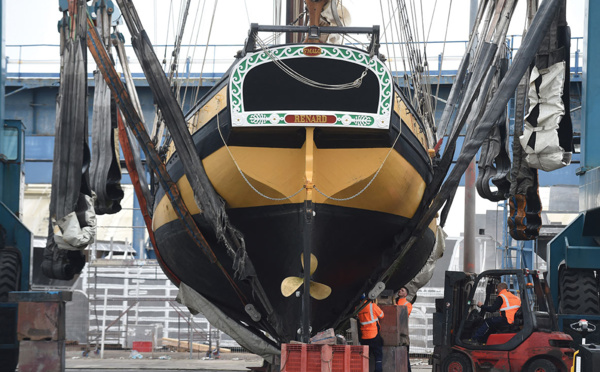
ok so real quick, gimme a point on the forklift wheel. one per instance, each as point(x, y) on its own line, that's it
point(10, 274)
point(542, 365)
point(578, 292)
point(10, 271)
point(456, 362)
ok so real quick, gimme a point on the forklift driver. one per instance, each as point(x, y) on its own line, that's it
point(507, 303)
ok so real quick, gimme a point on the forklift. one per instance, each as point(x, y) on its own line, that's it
point(531, 343)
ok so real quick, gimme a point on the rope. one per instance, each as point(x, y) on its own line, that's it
point(374, 176)
point(181, 100)
point(188, 79)
point(431, 22)
point(242, 173)
point(212, 20)
point(247, 13)
point(303, 187)
point(172, 71)
point(437, 89)
point(387, 47)
point(133, 121)
point(167, 35)
point(285, 68)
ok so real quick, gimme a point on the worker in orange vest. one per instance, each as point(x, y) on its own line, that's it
point(368, 318)
point(402, 301)
point(507, 303)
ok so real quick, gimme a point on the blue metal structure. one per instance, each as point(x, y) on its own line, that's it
point(577, 248)
point(16, 235)
point(576, 245)
point(11, 182)
point(590, 131)
point(12, 159)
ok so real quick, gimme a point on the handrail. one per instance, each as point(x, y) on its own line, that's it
point(30, 61)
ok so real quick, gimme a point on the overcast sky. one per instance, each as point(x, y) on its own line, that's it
point(35, 21)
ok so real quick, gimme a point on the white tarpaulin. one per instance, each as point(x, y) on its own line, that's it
point(426, 272)
point(69, 233)
point(187, 296)
point(545, 99)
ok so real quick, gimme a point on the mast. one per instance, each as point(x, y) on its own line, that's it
point(470, 193)
point(277, 18)
point(314, 8)
point(292, 10)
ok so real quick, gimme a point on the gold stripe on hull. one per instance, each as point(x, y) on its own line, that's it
point(279, 173)
point(215, 105)
point(164, 213)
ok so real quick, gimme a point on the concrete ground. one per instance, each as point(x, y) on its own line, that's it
point(125, 360)
point(160, 360)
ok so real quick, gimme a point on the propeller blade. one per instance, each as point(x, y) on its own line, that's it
point(319, 291)
point(313, 262)
point(290, 284)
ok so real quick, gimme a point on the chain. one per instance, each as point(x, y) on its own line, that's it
point(374, 176)
point(285, 68)
point(244, 176)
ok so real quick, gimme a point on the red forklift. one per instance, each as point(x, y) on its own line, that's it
point(531, 344)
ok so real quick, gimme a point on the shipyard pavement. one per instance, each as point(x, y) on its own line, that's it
point(125, 360)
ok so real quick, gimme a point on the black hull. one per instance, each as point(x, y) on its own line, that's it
point(380, 150)
point(349, 245)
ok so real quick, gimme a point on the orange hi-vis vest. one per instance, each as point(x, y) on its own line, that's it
point(404, 302)
point(510, 305)
point(368, 317)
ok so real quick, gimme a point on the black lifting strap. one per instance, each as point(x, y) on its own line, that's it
point(205, 196)
point(70, 181)
point(105, 172)
point(493, 110)
point(494, 161)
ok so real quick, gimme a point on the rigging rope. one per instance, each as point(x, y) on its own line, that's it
point(188, 79)
point(303, 79)
point(158, 128)
point(437, 89)
point(242, 173)
point(392, 54)
point(212, 20)
point(374, 176)
point(431, 22)
point(247, 13)
point(167, 35)
point(181, 100)
point(303, 187)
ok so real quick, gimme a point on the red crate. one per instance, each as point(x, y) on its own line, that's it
point(324, 358)
point(142, 346)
